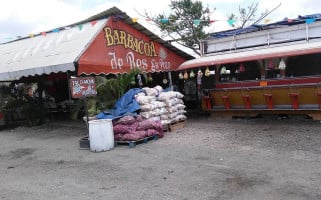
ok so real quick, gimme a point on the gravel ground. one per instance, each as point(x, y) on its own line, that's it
point(212, 159)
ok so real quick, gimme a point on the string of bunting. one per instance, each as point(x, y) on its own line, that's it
point(56, 30)
point(231, 22)
point(196, 22)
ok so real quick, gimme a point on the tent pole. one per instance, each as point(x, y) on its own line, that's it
point(170, 80)
point(69, 97)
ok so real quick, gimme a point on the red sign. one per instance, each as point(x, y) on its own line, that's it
point(119, 48)
point(82, 87)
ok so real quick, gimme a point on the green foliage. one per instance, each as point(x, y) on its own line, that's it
point(18, 107)
point(181, 26)
point(92, 106)
point(75, 109)
point(34, 112)
point(248, 15)
point(110, 90)
point(181, 22)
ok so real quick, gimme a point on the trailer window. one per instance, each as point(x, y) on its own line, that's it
point(239, 72)
point(305, 65)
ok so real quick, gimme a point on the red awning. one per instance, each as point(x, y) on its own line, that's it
point(276, 51)
point(119, 47)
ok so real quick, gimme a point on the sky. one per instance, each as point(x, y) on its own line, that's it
point(21, 17)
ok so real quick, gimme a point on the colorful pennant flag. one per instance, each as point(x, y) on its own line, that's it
point(56, 30)
point(164, 21)
point(93, 22)
point(80, 26)
point(134, 20)
point(31, 35)
point(43, 33)
point(231, 22)
point(197, 22)
point(310, 20)
point(266, 21)
point(120, 16)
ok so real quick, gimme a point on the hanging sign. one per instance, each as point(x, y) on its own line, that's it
point(82, 87)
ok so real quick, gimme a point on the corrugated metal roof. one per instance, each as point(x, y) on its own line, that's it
point(54, 52)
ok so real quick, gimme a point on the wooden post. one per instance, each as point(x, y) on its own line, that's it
point(217, 74)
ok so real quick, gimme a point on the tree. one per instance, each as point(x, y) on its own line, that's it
point(185, 24)
point(247, 16)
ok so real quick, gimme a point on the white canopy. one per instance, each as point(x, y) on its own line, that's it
point(53, 52)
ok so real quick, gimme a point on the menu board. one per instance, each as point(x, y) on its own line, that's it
point(82, 87)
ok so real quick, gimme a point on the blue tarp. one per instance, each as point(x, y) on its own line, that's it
point(235, 31)
point(256, 27)
point(125, 105)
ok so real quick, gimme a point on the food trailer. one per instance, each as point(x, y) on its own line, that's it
point(262, 69)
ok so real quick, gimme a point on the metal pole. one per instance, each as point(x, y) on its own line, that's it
point(307, 31)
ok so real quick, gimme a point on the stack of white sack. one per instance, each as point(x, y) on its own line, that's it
point(165, 106)
point(150, 107)
point(174, 105)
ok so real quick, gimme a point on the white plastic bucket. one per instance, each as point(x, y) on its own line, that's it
point(101, 135)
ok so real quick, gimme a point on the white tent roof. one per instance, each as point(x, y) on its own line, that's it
point(52, 53)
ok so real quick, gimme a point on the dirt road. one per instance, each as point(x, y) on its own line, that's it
point(210, 159)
